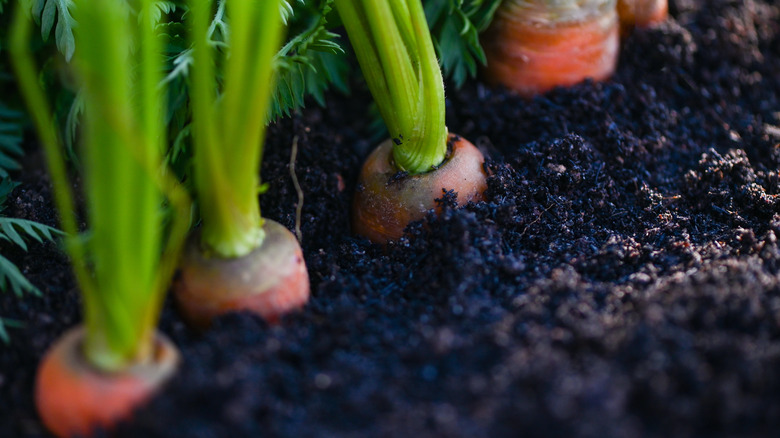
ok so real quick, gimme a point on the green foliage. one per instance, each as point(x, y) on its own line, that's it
point(310, 61)
point(12, 230)
point(5, 324)
point(15, 231)
point(46, 13)
point(161, 8)
point(10, 139)
point(179, 60)
point(455, 26)
point(11, 120)
point(307, 65)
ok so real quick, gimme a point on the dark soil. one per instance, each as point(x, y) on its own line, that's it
point(622, 278)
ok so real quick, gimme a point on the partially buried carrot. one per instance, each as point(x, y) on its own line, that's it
point(96, 375)
point(642, 13)
point(533, 46)
point(237, 260)
point(402, 178)
point(74, 398)
point(270, 281)
point(386, 202)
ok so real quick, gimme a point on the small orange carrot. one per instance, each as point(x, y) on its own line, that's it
point(642, 13)
point(74, 398)
point(385, 204)
point(238, 260)
point(270, 281)
point(532, 46)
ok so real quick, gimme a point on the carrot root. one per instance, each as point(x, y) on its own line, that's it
point(73, 398)
point(642, 13)
point(270, 281)
point(531, 51)
point(386, 203)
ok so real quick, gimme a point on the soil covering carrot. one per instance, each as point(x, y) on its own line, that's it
point(96, 375)
point(221, 270)
point(533, 46)
point(404, 176)
point(642, 13)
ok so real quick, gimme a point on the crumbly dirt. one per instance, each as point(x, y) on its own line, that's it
point(621, 279)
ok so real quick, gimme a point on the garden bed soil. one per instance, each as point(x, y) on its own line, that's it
point(621, 279)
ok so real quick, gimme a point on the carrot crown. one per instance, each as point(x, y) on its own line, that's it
point(124, 263)
point(228, 123)
point(555, 11)
point(394, 48)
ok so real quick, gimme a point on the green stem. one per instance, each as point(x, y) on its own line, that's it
point(218, 224)
point(394, 48)
point(122, 144)
point(229, 141)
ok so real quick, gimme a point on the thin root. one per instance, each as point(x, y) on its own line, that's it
point(299, 206)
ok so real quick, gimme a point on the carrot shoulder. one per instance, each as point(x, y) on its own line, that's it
point(530, 49)
point(386, 202)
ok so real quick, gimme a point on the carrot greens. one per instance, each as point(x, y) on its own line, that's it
point(124, 263)
point(394, 48)
point(310, 61)
point(228, 125)
point(455, 27)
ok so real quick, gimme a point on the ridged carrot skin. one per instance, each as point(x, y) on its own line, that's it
point(386, 203)
point(531, 47)
point(270, 281)
point(75, 399)
point(642, 13)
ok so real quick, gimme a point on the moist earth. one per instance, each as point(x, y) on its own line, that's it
point(621, 278)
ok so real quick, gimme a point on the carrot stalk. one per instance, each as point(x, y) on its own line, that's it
point(125, 264)
point(228, 129)
point(124, 267)
point(237, 260)
point(393, 46)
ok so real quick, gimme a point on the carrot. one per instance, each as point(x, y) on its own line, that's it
point(534, 47)
point(238, 260)
point(385, 204)
point(403, 176)
point(97, 375)
point(642, 13)
point(75, 398)
point(270, 281)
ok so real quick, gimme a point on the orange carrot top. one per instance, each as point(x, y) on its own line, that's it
point(535, 45)
point(642, 13)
